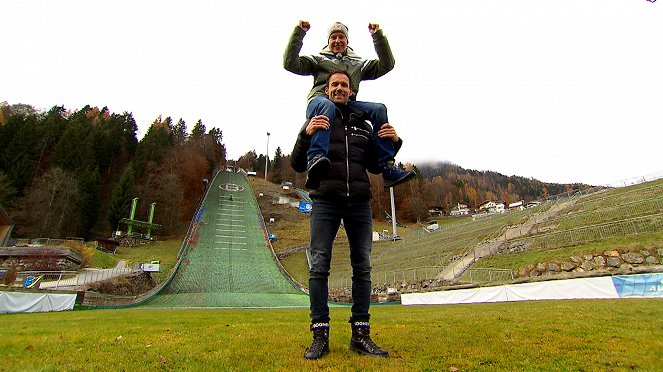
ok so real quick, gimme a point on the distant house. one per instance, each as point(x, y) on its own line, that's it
point(533, 204)
point(436, 211)
point(460, 210)
point(487, 205)
point(519, 205)
point(491, 207)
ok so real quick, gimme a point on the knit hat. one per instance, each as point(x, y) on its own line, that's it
point(337, 27)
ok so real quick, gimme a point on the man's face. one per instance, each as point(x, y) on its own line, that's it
point(338, 43)
point(338, 89)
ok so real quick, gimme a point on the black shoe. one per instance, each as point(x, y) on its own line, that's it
point(320, 345)
point(317, 168)
point(393, 176)
point(361, 342)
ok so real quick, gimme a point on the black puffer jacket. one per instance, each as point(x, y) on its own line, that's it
point(352, 152)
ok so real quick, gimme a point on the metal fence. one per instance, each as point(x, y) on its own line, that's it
point(585, 234)
point(412, 275)
point(486, 275)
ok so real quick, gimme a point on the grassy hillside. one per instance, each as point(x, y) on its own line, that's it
point(628, 219)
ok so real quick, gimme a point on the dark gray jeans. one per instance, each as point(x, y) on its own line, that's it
point(326, 218)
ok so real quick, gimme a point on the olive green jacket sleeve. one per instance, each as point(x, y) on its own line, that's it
point(292, 61)
point(374, 68)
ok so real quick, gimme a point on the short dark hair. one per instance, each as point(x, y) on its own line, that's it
point(339, 72)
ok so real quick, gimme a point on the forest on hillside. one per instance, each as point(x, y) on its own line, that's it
point(74, 173)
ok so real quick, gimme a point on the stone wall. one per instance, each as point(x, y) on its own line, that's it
point(610, 261)
point(613, 262)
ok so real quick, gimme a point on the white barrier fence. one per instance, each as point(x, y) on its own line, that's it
point(619, 286)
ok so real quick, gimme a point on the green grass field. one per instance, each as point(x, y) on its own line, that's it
point(596, 335)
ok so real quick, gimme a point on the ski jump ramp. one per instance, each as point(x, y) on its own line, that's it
point(228, 261)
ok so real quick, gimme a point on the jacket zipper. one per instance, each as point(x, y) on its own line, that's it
point(347, 163)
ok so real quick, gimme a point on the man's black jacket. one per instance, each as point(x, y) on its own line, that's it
point(352, 151)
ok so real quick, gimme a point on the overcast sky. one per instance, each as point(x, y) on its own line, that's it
point(562, 91)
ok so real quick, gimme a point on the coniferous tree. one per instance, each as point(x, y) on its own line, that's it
point(198, 130)
point(7, 191)
point(179, 132)
point(120, 203)
point(89, 197)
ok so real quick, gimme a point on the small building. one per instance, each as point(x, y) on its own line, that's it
point(436, 211)
point(519, 205)
point(44, 258)
point(532, 204)
point(460, 210)
point(491, 207)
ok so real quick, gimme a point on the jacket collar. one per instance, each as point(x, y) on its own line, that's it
point(352, 112)
point(326, 51)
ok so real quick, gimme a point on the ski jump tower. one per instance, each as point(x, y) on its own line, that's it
point(132, 238)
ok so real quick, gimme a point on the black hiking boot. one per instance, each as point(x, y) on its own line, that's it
point(394, 176)
point(317, 168)
point(320, 345)
point(361, 342)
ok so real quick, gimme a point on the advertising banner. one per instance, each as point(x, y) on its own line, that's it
point(305, 206)
point(641, 285)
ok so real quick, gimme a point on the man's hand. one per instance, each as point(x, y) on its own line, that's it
point(318, 122)
point(387, 131)
point(373, 28)
point(304, 25)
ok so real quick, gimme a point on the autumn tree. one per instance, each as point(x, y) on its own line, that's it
point(49, 207)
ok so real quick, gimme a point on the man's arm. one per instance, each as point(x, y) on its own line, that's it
point(386, 131)
point(375, 68)
point(292, 61)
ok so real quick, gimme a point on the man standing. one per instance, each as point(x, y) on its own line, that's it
point(338, 56)
point(344, 194)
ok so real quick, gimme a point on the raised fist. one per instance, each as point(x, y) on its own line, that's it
point(373, 28)
point(304, 25)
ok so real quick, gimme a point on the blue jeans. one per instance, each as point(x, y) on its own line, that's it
point(376, 113)
point(325, 221)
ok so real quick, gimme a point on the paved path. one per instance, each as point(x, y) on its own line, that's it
point(484, 249)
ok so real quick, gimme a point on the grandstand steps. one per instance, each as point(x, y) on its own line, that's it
point(492, 245)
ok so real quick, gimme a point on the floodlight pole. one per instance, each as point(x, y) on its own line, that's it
point(393, 214)
point(266, 156)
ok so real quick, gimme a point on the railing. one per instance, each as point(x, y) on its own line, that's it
point(636, 225)
point(396, 277)
point(66, 280)
point(487, 275)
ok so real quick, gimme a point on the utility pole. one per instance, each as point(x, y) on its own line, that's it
point(266, 156)
point(393, 214)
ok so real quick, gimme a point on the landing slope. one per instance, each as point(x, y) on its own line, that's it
point(228, 261)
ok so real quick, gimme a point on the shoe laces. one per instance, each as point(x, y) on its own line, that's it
point(318, 344)
point(368, 343)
